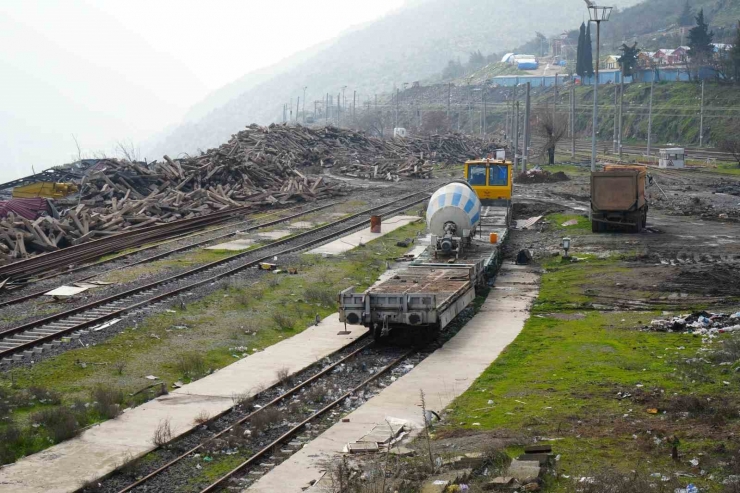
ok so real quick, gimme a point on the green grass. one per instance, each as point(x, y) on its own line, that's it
point(214, 328)
point(560, 377)
point(557, 220)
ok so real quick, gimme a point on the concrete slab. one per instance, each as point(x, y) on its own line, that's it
point(443, 376)
point(274, 235)
point(301, 225)
point(65, 467)
point(233, 246)
point(353, 240)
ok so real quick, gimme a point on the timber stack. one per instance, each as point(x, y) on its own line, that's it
point(257, 167)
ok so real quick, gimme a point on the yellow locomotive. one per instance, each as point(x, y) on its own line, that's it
point(491, 180)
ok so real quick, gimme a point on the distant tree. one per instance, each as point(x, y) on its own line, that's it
point(687, 15)
point(580, 54)
point(453, 69)
point(476, 59)
point(433, 122)
point(729, 141)
point(628, 60)
point(589, 60)
point(700, 42)
point(551, 127)
point(734, 57)
point(542, 40)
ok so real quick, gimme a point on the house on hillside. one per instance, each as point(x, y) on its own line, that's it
point(611, 62)
point(665, 56)
point(646, 59)
point(721, 50)
point(681, 53)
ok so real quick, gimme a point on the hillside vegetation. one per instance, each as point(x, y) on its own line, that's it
point(411, 44)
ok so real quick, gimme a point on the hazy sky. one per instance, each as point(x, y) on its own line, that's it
point(120, 70)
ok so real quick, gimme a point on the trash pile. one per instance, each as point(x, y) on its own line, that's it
point(539, 175)
point(697, 323)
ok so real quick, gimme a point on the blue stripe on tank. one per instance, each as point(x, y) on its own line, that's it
point(441, 200)
point(456, 198)
point(469, 205)
point(474, 219)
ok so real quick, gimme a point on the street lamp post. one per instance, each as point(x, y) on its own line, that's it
point(597, 15)
point(304, 104)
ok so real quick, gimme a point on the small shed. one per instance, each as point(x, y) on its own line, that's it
point(673, 157)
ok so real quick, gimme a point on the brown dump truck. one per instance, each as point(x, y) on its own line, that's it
point(618, 198)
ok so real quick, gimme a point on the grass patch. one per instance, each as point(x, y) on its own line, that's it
point(229, 324)
point(583, 225)
point(562, 378)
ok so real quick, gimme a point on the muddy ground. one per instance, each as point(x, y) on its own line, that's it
point(688, 255)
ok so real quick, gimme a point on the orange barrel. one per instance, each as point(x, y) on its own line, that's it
point(375, 224)
point(494, 238)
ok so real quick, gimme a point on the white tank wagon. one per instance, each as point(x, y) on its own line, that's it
point(453, 215)
point(430, 292)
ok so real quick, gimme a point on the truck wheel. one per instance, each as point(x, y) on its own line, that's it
point(637, 219)
point(596, 227)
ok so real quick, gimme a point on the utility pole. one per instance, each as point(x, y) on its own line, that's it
point(527, 132)
point(573, 122)
point(326, 109)
point(376, 103)
point(621, 110)
point(315, 109)
point(485, 113)
point(304, 104)
point(555, 102)
point(650, 116)
point(701, 117)
point(470, 107)
point(398, 93)
point(297, 108)
point(516, 136)
point(449, 102)
point(614, 138)
point(339, 108)
point(354, 108)
point(514, 98)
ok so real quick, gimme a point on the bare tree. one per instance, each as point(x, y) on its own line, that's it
point(127, 150)
point(551, 127)
point(374, 123)
point(730, 140)
point(433, 122)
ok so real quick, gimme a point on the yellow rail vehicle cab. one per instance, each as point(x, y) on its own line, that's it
point(491, 180)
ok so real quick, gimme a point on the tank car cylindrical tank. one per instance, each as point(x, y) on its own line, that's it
point(453, 210)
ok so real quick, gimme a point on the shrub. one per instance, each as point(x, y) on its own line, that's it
point(11, 442)
point(108, 402)
point(265, 419)
point(323, 295)
point(283, 320)
point(191, 365)
point(60, 423)
point(44, 396)
point(163, 433)
point(202, 418)
point(283, 375)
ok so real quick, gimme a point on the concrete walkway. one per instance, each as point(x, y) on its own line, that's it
point(347, 243)
point(99, 450)
point(443, 376)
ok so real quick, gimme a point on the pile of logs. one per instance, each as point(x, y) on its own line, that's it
point(257, 167)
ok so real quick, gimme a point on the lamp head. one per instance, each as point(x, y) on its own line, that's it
point(599, 14)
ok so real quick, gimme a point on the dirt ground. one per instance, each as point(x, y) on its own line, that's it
point(689, 254)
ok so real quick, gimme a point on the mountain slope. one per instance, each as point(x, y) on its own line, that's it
point(410, 44)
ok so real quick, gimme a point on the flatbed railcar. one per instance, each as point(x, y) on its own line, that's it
point(463, 254)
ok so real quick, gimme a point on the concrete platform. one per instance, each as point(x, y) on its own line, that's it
point(235, 246)
point(99, 450)
point(442, 376)
point(301, 225)
point(353, 240)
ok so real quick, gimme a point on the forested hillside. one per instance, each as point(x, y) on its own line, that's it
point(410, 44)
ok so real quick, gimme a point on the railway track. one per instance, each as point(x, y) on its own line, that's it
point(27, 339)
point(159, 256)
point(583, 148)
point(174, 466)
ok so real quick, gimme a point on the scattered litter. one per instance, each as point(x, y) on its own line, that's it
point(105, 325)
point(699, 323)
point(151, 377)
point(572, 222)
point(178, 384)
